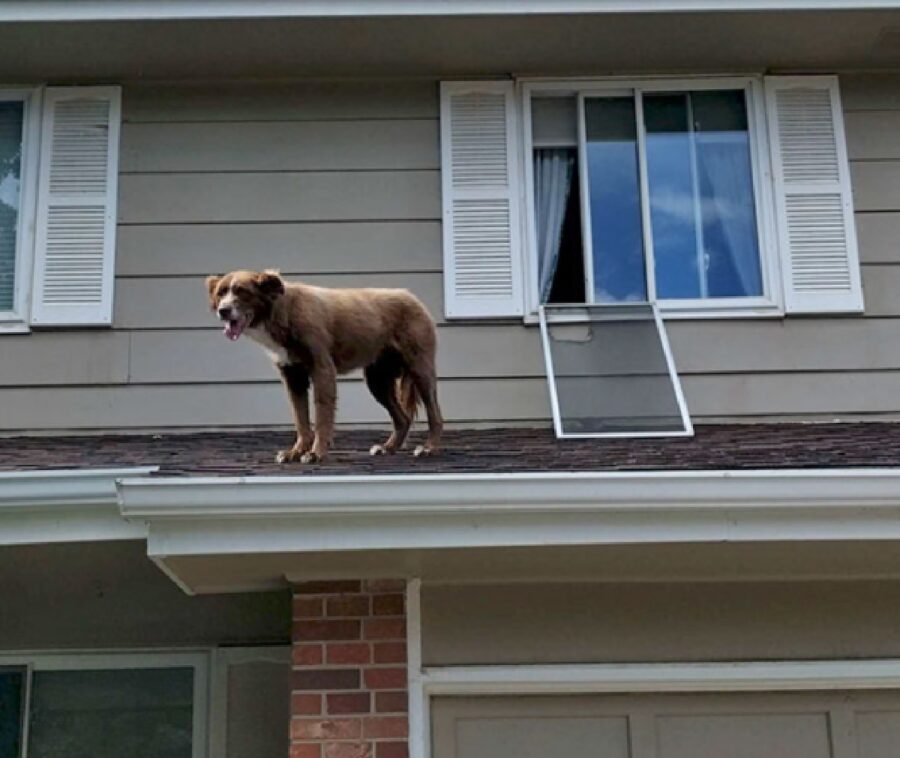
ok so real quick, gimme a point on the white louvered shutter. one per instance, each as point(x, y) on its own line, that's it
point(816, 231)
point(479, 179)
point(75, 236)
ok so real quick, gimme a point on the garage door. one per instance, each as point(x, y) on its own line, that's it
point(758, 725)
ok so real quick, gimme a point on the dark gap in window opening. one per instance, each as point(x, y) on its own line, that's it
point(568, 281)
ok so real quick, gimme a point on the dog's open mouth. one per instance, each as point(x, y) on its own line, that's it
point(234, 327)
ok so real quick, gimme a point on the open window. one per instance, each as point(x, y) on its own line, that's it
point(650, 193)
point(610, 372)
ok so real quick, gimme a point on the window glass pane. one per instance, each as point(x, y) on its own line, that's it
point(11, 114)
point(702, 205)
point(615, 207)
point(129, 713)
point(12, 688)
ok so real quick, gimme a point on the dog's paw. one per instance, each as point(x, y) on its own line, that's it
point(377, 450)
point(311, 457)
point(287, 456)
point(422, 451)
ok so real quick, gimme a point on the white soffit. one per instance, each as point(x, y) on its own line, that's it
point(219, 516)
point(136, 10)
point(39, 507)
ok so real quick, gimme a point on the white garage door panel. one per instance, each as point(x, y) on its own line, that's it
point(878, 734)
point(726, 725)
point(744, 736)
point(542, 737)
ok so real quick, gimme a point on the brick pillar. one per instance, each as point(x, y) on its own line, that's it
point(349, 696)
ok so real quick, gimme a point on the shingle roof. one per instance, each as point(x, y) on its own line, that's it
point(251, 453)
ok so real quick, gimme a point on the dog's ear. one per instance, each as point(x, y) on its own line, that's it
point(270, 283)
point(211, 283)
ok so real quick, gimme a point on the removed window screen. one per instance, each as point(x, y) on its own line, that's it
point(611, 373)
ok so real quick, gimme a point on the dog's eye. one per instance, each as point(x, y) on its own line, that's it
point(239, 290)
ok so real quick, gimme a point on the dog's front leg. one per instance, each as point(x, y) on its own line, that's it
point(296, 381)
point(324, 381)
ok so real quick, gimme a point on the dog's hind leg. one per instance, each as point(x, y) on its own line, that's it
point(381, 379)
point(425, 381)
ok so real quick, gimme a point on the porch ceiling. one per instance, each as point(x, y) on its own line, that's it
point(449, 47)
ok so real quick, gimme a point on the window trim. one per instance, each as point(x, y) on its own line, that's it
point(771, 303)
point(17, 319)
point(97, 660)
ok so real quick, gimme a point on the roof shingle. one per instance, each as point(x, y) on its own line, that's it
point(251, 453)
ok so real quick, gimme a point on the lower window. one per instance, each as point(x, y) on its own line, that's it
point(647, 193)
point(84, 706)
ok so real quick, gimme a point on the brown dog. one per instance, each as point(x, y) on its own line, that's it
point(314, 334)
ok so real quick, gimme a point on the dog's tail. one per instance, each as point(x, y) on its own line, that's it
point(408, 395)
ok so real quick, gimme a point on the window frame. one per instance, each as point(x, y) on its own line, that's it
point(771, 303)
point(117, 660)
point(17, 319)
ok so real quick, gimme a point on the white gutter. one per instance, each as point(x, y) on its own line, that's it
point(200, 516)
point(65, 506)
point(140, 10)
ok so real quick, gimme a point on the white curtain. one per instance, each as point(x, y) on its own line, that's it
point(725, 166)
point(553, 170)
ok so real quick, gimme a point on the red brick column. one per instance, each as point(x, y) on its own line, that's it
point(349, 696)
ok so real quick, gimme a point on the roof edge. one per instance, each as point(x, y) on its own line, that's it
point(39, 490)
point(199, 498)
point(149, 10)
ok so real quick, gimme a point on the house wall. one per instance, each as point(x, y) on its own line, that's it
point(338, 183)
point(631, 622)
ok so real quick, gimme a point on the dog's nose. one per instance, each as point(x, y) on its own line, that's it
point(223, 312)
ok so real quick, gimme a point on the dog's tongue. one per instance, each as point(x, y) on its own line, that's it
point(233, 329)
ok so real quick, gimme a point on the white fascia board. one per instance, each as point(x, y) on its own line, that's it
point(751, 676)
point(75, 505)
point(313, 514)
point(140, 10)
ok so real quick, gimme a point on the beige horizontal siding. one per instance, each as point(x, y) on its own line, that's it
point(471, 351)
point(635, 621)
point(870, 91)
point(178, 303)
point(156, 302)
point(295, 101)
point(54, 358)
point(203, 356)
point(292, 196)
point(878, 235)
point(185, 405)
point(282, 146)
point(463, 400)
point(337, 183)
point(311, 248)
point(876, 185)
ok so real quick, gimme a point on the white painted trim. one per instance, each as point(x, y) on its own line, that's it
point(49, 488)
point(16, 320)
point(137, 10)
point(761, 676)
point(688, 427)
point(418, 713)
point(456, 304)
point(48, 313)
point(658, 678)
point(112, 660)
point(768, 305)
point(38, 507)
point(221, 659)
point(200, 516)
